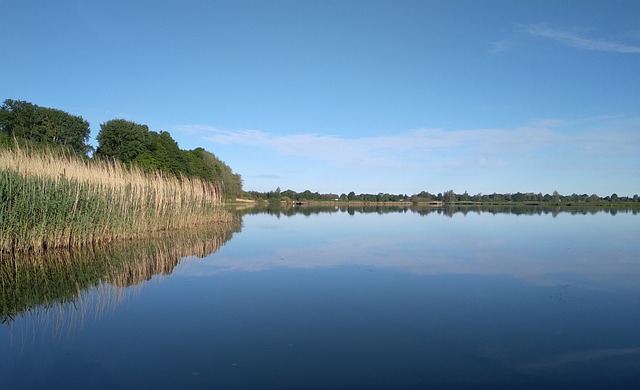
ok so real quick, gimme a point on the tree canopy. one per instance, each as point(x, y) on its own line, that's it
point(133, 143)
point(42, 125)
point(209, 167)
point(121, 139)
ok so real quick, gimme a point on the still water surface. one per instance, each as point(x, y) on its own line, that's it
point(342, 299)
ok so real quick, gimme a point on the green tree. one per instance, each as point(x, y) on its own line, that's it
point(275, 196)
point(382, 197)
point(450, 197)
point(42, 125)
point(195, 164)
point(220, 172)
point(162, 153)
point(593, 198)
point(123, 140)
point(5, 139)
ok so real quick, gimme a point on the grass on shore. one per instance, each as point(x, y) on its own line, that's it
point(51, 200)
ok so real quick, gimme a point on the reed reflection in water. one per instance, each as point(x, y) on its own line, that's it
point(47, 291)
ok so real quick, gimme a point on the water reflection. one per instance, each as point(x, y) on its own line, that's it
point(424, 210)
point(552, 246)
point(47, 282)
point(341, 298)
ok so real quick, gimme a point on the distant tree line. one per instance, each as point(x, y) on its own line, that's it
point(316, 196)
point(522, 197)
point(129, 142)
point(449, 197)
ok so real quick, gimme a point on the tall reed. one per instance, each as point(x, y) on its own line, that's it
point(51, 200)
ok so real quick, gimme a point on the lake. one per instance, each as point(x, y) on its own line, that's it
point(339, 298)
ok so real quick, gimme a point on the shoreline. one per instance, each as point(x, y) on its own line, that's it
point(49, 200)
point(303, 203)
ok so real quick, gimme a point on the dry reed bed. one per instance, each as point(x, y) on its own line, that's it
point(50, 200)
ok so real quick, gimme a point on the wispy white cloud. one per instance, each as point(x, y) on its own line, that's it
point(575, 40)
point(501, 46)
point(440, 148)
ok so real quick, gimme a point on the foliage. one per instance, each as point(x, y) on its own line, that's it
point(205, 165)
point(134, 144)
point(23, 120)
point(162, 153)
point(121, 139)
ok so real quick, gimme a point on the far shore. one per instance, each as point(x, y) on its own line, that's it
point(302, 203)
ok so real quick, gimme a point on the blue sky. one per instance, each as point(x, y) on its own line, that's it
point(353, 95)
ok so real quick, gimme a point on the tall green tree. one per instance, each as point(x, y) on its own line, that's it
point(162, 153)
point(122, 139)
point(222, 173)
point(42, 125)
point(207, 166)
point(450, 197)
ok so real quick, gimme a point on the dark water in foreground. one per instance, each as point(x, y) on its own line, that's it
point(349, 300)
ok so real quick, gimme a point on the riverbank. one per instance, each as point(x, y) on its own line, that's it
point(52, 200)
